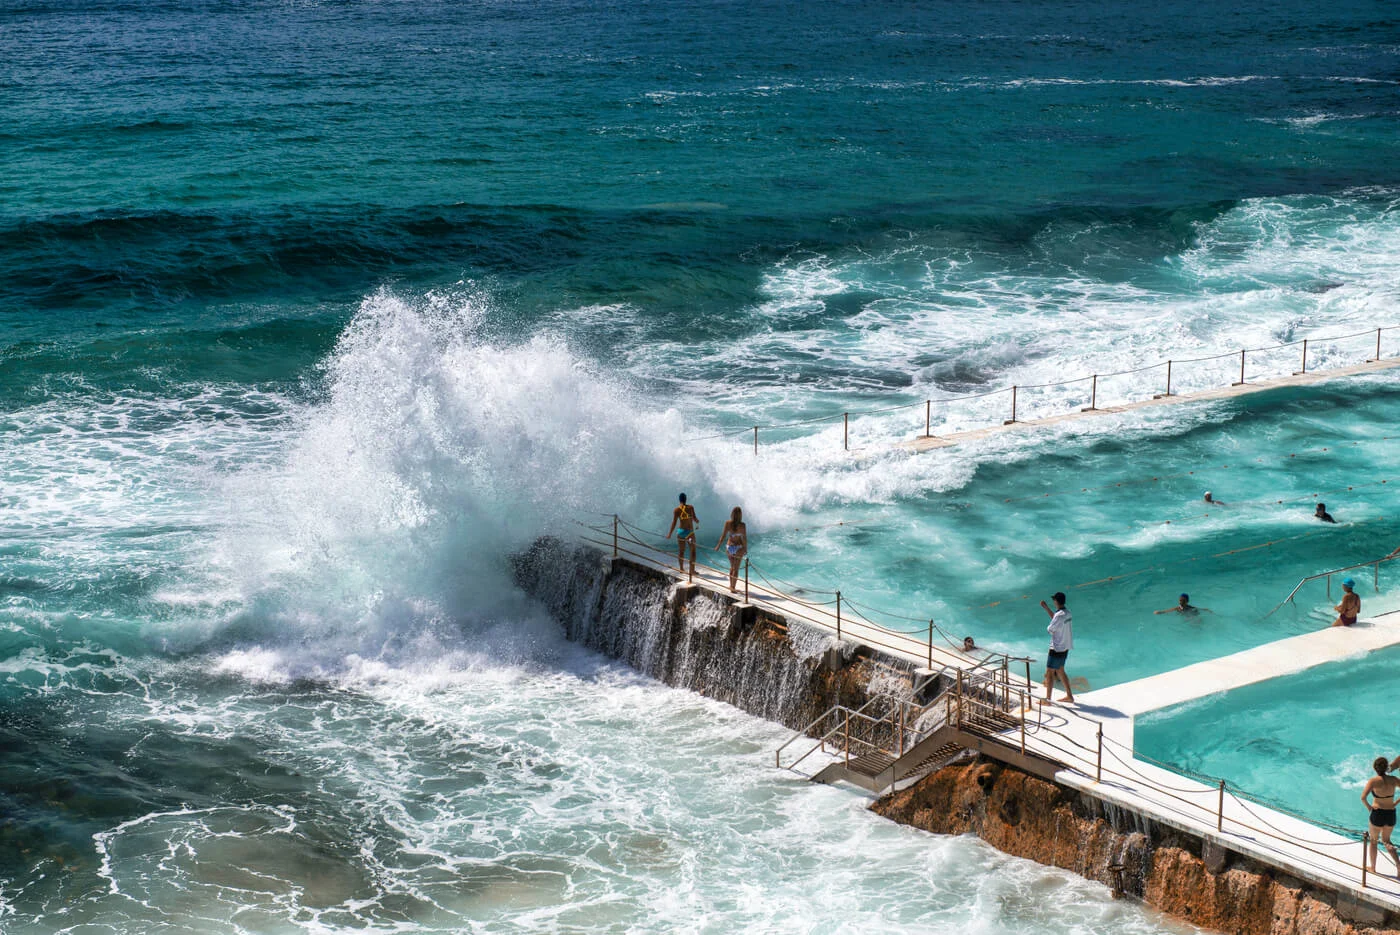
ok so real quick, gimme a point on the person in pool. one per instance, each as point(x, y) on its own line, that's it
point(737, 545)
point(1184, 606)
point(684, 517)
point(1381, 788)
point(1061, 642)
point(1212, 501)
point(1350, 607)
point(1321, 513)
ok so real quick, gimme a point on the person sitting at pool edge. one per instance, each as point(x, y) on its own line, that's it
point(1383, 788)
point(1184, 606)
point(1322, 514)
point(968, 644)
point(1350, 607)
point(1061, 642)
point(684, 516)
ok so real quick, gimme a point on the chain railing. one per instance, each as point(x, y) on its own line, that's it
point(1171, 386)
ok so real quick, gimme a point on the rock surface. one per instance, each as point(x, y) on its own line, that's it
point(1030, 817)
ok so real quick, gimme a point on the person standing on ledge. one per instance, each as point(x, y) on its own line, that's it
point(738, 546)
point(1383, 788)
point(1061, 642)
point(684, 517)
point(1350, 607)
point(1322, 514)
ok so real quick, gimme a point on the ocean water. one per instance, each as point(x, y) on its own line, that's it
point(313, 313)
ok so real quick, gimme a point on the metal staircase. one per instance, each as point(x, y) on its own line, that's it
point(889, 743)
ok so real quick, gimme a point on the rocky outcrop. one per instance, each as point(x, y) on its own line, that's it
point(1171, 871)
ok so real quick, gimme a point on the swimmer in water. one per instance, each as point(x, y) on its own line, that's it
point(1322, 514)
point(1184, 606)
point(1382, 788)
point(1350, 607)
point(1212, 501)
point(738, 546)
point(684, 517)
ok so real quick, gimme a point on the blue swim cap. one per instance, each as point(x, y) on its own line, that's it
point(1186, 597)
point(1348, 583)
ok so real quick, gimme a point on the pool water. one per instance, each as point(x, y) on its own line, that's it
point(1305, 741)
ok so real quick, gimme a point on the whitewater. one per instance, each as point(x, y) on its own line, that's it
point(314, 315)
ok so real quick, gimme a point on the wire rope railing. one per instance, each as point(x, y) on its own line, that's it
point(1015, 391)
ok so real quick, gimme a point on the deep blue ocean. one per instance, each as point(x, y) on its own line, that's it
point(312, 313)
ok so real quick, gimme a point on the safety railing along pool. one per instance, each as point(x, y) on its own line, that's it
point(1268, 363)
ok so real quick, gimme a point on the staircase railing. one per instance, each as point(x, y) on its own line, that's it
point(1374, 564)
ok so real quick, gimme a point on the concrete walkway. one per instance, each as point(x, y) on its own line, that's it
point(929, 442)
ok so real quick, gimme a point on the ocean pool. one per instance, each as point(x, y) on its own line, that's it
point(1303, 741)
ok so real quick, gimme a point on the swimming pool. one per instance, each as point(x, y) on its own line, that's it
point(1305, 741)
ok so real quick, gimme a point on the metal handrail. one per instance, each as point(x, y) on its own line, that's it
point(1376, 580)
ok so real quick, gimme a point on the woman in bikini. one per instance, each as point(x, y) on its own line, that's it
point(1382, 788)
point(737, 544)
point(1350, 607)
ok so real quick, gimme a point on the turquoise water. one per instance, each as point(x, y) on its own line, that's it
point(1306, 741)
point(313, 313)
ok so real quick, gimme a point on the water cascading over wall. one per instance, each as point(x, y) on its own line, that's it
point(778, 669)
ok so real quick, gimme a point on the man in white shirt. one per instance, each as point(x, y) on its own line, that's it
point(1061, 642)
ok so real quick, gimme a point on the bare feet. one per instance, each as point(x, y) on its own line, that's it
point(1068, 698)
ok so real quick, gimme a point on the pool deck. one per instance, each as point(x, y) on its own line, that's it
point(930, 442)
point(1069, 734)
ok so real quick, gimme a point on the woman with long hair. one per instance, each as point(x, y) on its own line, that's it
point(735, 539)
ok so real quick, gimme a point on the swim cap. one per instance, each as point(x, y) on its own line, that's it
point(1348, 583)
point(1186, 597)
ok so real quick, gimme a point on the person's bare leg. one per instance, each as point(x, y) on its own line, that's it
point(1049, 682)
point(1373, 846)
point(1390, 848)
point(733, 574)
point(1069, 692)
point(692, 553)
point(680, 553)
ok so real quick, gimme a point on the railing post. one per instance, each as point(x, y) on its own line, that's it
point(1220, 813)
point(1098, 770)
point(930, 645)
point(846, 431)
point(960, 699)
point(746, 579)
point(838, 616)
point(1329, 585)
point(1028, 673)
point(899, 748)
point(614, 535)
point(1093, 394)
point(1241, 383)
point(1013, 407)
point(1378, 347)
point(1365, 853)
point(848, 738)
point(928, 418)
point(755, 439)
point(1305, 357)
point(1023, 722)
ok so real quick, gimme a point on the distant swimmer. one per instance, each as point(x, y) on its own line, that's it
point(1184, 606)
point(1322, 514)
point(684, 517)
point(1212, 501)
point(1382, 788)
point(1350, 607)
point(737, 545)
point(1061, 642)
